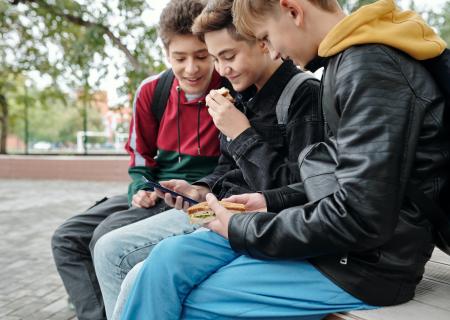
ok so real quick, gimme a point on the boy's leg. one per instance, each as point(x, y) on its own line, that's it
point(125, 289)
point(174, 267)
point(248, 288)
point(117, 252)
point(70, 246)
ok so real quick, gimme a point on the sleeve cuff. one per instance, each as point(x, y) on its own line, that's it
point(237, 229)
point(283, 198)
point(240, 144)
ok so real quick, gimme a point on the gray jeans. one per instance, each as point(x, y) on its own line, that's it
point(73, 243)
point(120, 250)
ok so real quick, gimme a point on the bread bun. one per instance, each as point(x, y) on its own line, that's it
point(201, 213)
point(225, 93)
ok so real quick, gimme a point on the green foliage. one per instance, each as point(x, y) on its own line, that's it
point(70, 42)
point(351, 5)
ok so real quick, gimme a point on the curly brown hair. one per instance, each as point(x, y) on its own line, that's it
point(216, 16)
point(177, 18)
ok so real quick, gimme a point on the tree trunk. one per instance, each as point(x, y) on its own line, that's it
point(3, 123)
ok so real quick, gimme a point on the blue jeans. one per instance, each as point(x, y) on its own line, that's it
point(199, 276)
point(120, 250)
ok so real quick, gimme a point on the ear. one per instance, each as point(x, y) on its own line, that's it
point(294, 9)
point(263, 46)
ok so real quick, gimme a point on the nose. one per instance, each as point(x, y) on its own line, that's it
point(274, 55)
point(191, 67)
point(223, 69)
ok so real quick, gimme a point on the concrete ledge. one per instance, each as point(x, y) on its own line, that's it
point(88, 168)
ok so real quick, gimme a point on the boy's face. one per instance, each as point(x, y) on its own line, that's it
point(285, 39)
point(191, 63)
point(241, 62)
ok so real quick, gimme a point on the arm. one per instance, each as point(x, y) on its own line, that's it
point(264, 167)
point(141, 144)
point(371, 143)
point(224, 165)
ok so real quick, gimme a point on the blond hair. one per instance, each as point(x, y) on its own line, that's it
point(247, 12)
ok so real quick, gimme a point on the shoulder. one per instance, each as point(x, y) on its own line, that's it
point(148, 85)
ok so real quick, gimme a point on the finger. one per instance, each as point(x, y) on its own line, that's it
point(179, 203)
point(153, 196)
point(241, 198)
point(135, 204)
point(168, 199)
point(159, 193)
point(215, 205)
point(186, 205)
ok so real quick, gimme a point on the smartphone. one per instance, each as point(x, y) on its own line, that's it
point(174, 194)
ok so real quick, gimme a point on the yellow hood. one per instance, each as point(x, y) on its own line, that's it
point(383, 23)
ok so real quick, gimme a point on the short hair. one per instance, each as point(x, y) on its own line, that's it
point(217, 15)
point(177, 18)
point(247, 12)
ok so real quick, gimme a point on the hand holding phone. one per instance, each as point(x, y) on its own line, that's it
point(174, 194)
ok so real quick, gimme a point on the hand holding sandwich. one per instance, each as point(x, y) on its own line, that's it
point(227, 118)
point(223, 216)
point(254, 202)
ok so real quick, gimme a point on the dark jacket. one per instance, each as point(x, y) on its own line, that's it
point(265, 155)
point(367, 236)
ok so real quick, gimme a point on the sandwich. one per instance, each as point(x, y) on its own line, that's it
point(226, 93)
point(201, 213)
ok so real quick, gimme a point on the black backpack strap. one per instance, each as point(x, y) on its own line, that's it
point(161, 94)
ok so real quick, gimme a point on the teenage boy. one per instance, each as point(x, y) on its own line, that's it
point(350, 236)
point(185, 140)
point(259, 150)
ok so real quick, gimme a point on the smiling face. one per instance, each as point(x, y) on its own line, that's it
point(243, 63)
point(191, 63)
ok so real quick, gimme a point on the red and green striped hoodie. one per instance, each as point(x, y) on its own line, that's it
point(185, 144)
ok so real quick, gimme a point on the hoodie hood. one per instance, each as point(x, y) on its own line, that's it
point(383, 23)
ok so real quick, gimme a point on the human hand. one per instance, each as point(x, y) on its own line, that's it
point(181, 186)
point(223, 216)
point(227, 118)
point(254, 202)
point(144, 199)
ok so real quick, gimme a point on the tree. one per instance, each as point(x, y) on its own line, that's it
point(72, 42)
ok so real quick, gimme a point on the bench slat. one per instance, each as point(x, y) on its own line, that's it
point(432, 300)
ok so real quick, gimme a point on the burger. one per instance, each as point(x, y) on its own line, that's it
point(225, 93)
point(201, 213)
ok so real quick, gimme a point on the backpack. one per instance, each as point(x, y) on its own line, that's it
point(162, 92)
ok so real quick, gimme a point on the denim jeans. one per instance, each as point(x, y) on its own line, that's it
point(199, 276)
point(117, 252)
point(73, 243)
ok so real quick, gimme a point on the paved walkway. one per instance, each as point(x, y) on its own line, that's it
point(30, 287)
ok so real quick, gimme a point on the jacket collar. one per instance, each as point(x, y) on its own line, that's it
point(266, 98)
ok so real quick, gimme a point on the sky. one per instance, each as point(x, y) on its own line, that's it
point(110, 84)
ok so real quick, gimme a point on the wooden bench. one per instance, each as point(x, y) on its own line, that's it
point(432, 300)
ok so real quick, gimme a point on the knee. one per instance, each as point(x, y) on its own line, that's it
point(101, 231)
point(62, 239)
point(106, 250)
point(172, 251)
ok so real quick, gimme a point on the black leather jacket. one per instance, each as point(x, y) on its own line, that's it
point(366, 236)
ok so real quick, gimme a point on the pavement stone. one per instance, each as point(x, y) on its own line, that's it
point(30, 210)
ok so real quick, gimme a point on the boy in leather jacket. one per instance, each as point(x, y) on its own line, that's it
point(348, 236)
